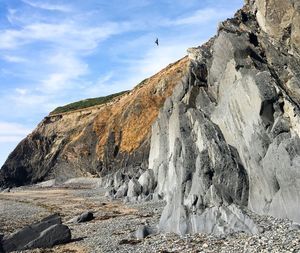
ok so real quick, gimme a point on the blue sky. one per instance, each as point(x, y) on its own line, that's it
point(54, 52)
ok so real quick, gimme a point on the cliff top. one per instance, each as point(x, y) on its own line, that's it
point(82, 104)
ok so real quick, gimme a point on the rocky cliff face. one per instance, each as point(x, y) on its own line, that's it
point(94, 141)
point(228, 137)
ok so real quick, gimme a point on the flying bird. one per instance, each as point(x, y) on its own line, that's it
point(156, 41)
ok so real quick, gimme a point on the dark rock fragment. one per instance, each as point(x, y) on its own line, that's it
point(86, 216)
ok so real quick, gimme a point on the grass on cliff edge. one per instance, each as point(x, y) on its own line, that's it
point(85, 103)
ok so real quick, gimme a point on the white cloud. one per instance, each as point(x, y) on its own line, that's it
point(21, 91)
point(14, 59)
point(11, 138)
point(156, 58)
point(105, 78)
point(12, 132)
point(104, 86)
point(27, 100)
point(61, 61)
point(11, 14)
point(10, 135)
point(198, 17)
point(68, 68)
point(48, 6)
point(69, 35)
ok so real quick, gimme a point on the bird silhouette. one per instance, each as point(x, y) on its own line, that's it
point(156, 41)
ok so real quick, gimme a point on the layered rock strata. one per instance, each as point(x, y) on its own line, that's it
point(94, 141)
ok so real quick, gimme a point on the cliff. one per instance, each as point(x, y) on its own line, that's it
point(224, 140)
point(93, 141)
point(228, 138)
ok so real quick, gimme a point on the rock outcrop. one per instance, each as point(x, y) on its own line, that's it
point(44, 234)
point(228, 138)
point(93, 141)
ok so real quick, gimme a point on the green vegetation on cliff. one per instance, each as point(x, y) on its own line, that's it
point(85, 103)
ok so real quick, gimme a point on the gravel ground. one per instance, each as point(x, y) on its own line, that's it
point(115, 222)
point(15, 215)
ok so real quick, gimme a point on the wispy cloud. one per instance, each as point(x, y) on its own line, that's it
point(68, 68)
point(12, 132)
point(14, 59)
point(68, 34)
point(48, 6)
point(10, 135)
point(201, 16)
point(64, 47)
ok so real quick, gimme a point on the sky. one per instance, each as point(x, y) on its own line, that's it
point(53, 52)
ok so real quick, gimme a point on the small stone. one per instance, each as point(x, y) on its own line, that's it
point(261, 230)
point(142, 232)
point(205, 245)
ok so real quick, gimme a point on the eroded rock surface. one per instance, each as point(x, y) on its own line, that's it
point(228, 138)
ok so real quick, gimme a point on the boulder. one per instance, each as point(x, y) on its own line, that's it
point(54, 235)
point(110, 193)
point(142, 232)
point(86, 216)
point(122, 191)
point(147, 181)
point(44, 234)
point(134, 188)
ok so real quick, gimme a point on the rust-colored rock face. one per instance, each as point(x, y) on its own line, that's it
point(131, 117)
point(95, 140)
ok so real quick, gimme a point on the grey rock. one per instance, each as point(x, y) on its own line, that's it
point(122, 191)
point(134, 188)
point(86, 216)
point(147, 181)
point(110, 193)
point(126, 200)
point(143, 231)
point(44, 231)
point(118, 179)
point(149, 197)
point(156, 196)
point(54, 235)
point(261, 229)
point(295, 226)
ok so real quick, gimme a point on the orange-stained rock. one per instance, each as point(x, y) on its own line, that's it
point(95, 140)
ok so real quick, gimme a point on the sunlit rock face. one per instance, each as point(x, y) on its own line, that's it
point(228, 137)
point(281, 20)
point(94, 141)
